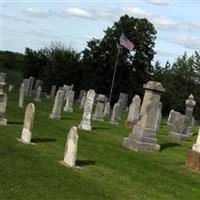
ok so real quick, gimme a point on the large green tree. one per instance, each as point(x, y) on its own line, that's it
point(133, 70)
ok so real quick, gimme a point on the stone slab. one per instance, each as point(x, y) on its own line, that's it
point(179, 136)
point(140, 146)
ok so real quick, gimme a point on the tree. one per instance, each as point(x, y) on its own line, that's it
point(132, 70)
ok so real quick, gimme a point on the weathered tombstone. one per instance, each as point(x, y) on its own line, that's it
point(179, 125)
point(143, 136)
point(193, 160)
point(38, 94)
point(3, 104)
point(81, 94)
point(28, 123)
point(11, 88)
point(106, 109)
point(124, 100)
point(87, 113)
point(69, 101)
point(115, 114)
point(190, 104)
point(21, 95)
point(31, 82)
point(53, 92)
point(98, 114)
point(81, 107)
point(71, 148)
point(159, 116)
point(134, 112)
point(57, 107)
point(3, 77)
point(26, 84)
point(37, 84)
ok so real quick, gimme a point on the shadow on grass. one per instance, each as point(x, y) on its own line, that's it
point(42, 140)
point(85, 162)
point(98, 127)
point(13, 122)
point(169, 145)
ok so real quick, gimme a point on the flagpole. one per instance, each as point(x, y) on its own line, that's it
point(113, 78)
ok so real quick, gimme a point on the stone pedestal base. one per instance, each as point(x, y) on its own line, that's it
point(65, 109)
point(85, 127)
point(3, 122)
point(179, 136)
point(114, 123)
point(193, 160)
point(140, 146)
point(54, 117)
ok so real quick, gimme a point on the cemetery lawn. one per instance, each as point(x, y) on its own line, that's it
point(109, 170)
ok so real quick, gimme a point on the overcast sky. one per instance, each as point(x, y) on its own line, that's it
point(34, 23)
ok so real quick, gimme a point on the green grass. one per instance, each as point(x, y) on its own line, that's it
point(109, 171)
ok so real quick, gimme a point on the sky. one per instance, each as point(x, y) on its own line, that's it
point(35, 24)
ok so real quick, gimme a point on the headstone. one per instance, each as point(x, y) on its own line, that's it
point(69, 101)
point(82, 102)
point(31, 83)
point(38, 94)
point(193, 160)
point(53, 92)
point(21, 95)
point(3, 104)
point(26, 84)
point(179, 125)
point(3, 77)
point(190, 104)
point(143, 136)
point(28, 123)
point(98, 114)
point(11, 88)
point(124, 100)
point(106, 111)
point(57, 107)
point(71, 147)
point(81, 94)
point(115, 114)
point(87, 113)
point(134, 112)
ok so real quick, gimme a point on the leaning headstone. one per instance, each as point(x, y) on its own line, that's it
point(69, 101)
point(11, 88)
point(28, 123)
point(193, 160)
point(143, 136)
point(179, 125)
point(21, 95)
point(71, 148)
point(98, 114)
point(53, 92)
point(38, 94)
point(115, 114)
point(134, 112)
point(106, 111)
point(81, 107)
point(190, 104)
point(87, 113)
point(3, 104)
point(57, 107)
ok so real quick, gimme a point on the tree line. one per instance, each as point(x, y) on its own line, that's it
point(94, 66)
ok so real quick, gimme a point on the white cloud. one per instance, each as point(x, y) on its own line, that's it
point(158, 2)
point(137, 12)
point(15, 18)
point(36, 13)
point(78, 13)
point(166, 53)
point(188, 42)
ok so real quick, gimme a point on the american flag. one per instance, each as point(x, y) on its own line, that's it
point(124, 41)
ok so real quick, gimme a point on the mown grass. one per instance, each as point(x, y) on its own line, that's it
point(109, 171)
